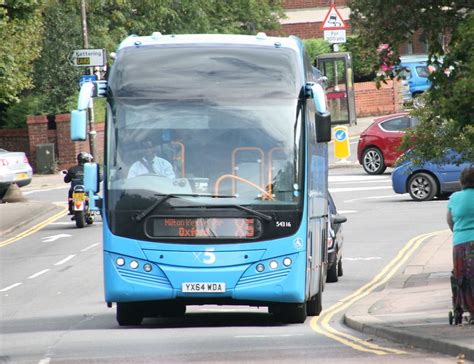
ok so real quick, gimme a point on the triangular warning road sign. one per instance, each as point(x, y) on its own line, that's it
point(333, 20)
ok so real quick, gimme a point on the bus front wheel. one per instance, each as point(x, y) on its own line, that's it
point(314, 305)
point(129, 314)
point(293, 313)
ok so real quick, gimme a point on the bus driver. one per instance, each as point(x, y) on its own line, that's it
point(150, 163)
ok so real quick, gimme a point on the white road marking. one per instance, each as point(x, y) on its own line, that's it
point(89, 247)
point(265, 336)
point(65, 259)
point(370, 198)
point(49, 239)
point(347, 211)
point(38, 274)
point(10, 287)
point(46, 189)
point(363, 182)
point(45, 361)
point(361, 258)
point(345, 178)
point(349, 189)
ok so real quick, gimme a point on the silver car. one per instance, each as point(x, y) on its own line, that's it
point(14, 168)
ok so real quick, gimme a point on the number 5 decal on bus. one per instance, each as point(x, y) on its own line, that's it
point(210, 257)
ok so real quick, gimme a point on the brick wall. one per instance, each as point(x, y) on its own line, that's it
point(15, 140)
point(68, 150)
point(37, 134)
point(65, 150)
point(302, 30)
point(371, 101)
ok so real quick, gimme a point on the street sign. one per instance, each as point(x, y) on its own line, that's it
point(341, 142)
point(335, 36)
point(333, 20)
point(87, 78)
point(88, 57)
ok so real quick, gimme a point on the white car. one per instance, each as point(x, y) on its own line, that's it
point(14, 168)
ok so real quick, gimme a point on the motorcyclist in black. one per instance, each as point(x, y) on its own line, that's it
point(75, 175)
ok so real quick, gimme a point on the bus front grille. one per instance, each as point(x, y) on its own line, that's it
point(263, 278)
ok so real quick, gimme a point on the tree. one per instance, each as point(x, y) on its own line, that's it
point(55, 80)
point(20, 34)
point(447, 118)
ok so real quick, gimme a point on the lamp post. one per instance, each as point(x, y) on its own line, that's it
point(92, 132)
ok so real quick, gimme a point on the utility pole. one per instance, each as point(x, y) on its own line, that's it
point(92, 132)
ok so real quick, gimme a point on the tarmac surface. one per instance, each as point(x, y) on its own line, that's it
point(411, 308)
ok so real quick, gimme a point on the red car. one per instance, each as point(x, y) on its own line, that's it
point(379, 143)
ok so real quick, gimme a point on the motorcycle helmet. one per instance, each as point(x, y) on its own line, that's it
point(84, 157)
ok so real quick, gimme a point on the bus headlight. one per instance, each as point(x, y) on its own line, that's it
point(134, 264)
point(260, 267)
point(287, 262)
point(273, 264)
point(147, 267)
point(120, 262)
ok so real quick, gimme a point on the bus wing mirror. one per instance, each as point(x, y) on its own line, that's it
point(323, 127)
point(79, 116)
point(91, 177)
point(323, 117)
point(78, 125)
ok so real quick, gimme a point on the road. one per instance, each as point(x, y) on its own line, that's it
point(52, 308)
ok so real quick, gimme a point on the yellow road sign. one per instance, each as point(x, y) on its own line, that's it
point(341, 142)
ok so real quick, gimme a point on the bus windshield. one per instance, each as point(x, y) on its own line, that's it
point(218, 130)
point(249, 152)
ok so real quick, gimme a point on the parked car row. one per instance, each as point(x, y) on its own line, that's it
point(378, 148)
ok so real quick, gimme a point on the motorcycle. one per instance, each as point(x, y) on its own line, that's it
point(80, 207)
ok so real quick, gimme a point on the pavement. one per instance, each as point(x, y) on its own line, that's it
point(411, 308)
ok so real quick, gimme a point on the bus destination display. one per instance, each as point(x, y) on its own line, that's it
point(222, 228)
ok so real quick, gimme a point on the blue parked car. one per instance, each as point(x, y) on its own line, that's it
point(415, 71)
point(424, 182)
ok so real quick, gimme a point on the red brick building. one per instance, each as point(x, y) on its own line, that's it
point(305, 17)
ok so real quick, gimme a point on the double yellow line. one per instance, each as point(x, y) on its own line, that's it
point(321, 324)
point(34, 228)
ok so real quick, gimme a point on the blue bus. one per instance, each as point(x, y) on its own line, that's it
point(240, 217)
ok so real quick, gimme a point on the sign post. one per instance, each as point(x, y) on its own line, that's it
point(88, 57)
point(334, 27)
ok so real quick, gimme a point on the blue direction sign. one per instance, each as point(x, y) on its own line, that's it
point(341, 135)
point(87, 78)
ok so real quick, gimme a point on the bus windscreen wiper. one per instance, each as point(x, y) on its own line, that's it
point(140, 216)
point(247, 209)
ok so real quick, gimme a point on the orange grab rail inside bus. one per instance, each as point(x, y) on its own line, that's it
point(266, 195)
